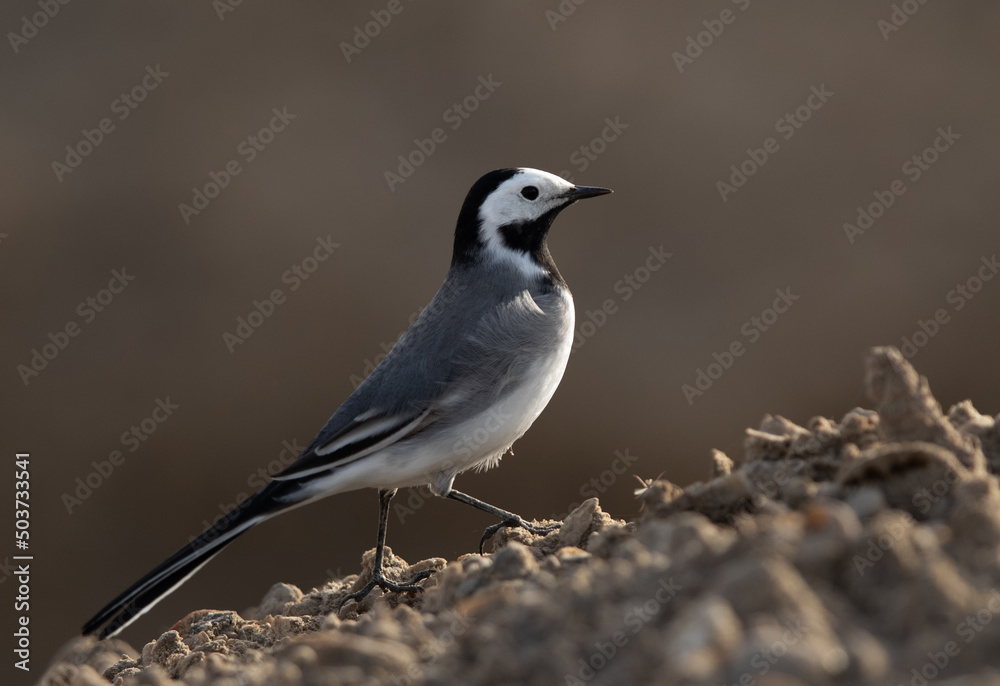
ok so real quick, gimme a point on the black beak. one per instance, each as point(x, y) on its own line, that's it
point(580, 192)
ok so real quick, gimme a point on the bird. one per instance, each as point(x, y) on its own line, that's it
point(463, 382)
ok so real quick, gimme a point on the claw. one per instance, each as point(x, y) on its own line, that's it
point(378, 579)
point(507, 519)
point(519, 523)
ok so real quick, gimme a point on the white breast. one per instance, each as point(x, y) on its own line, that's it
point(479, 441)
point(489, 435)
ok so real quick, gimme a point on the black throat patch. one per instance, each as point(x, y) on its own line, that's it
point(527, 237)
point(532, 238)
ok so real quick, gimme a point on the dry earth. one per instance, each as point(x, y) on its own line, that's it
point(860, 551)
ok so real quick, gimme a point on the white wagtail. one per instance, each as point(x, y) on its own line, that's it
point(462, 384)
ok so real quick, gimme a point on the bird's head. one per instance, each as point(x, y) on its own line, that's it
point(507, 215)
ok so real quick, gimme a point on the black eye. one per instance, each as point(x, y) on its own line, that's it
point(529, 192)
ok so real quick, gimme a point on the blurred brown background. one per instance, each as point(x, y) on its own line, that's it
point(561, 76)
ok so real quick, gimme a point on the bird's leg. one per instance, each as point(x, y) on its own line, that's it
point(378, 576)
point(506, 518)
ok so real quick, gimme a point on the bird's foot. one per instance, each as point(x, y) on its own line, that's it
point(378, 579)
point(519, 523)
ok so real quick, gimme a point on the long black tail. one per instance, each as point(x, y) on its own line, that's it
point(179, 567)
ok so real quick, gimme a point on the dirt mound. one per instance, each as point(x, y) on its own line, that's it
point(858, 551)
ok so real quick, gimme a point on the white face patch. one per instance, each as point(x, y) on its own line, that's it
point(510, 203)
point(525, 197)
